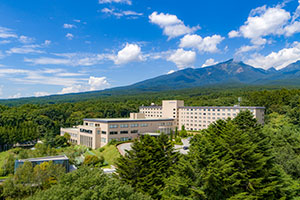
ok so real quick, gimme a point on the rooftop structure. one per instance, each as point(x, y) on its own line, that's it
point(62, 159)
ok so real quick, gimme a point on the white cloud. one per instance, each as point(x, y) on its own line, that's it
point(7, 33)
point(264, 21)
point(293, 28)
point(69, 36)
point(72, 89)
point(278, 59)
point(183, 58)
point(207, 44)
point(171, 71)
point(5, 41)
point(131, 52)
point(171, 25)
point(69, 59)
point(296, 13)
point(209, 62)
point(246, 48)
point(94, 83)
point(115, 1)
point(25, 40)
point(233, 34)
point(120, 13)
point(40, 94)
point(47, 42)
point(68, 26)
point(18, 95)
point(26, 49)
point(98, 83)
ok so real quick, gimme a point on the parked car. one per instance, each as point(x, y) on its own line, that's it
point(185, 147)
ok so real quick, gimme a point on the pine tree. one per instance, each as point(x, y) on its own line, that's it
point(147, 165)
point(232, 160)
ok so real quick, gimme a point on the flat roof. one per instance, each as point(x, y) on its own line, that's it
point(71, 129)
point(48, 158)
point(222, 107)
point(118, 120)
point(151, 106)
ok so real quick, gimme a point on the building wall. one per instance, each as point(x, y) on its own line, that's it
point(197, 118)
point(97, 134)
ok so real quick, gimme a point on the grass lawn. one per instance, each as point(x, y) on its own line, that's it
point(110, 154)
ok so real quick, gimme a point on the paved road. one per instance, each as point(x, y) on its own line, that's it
point(127, 146)
point(186, 143)
point(123, 147)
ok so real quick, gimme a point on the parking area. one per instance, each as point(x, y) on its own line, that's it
point(184, 148)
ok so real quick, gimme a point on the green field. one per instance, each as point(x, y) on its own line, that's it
point(110, 154)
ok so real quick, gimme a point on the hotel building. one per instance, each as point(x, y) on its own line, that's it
point(96, 133)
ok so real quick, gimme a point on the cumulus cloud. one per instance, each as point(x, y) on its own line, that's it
point(264, 21)
point(7, 33)
point(69, 36)
point(115, 1)
point(69, 26)
point(183, 58)
point(207, 44)
point(278, 60)
point(131, 52)
point(120, 13)
point(209, 62)
point(98, 83)
point(171, 25)
point(94, 83)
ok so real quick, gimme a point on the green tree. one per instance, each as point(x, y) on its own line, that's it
point(91, 160)
point(147, 165)
point(89, 183)
point(231, 160)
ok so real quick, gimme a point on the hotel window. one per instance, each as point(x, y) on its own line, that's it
point(113, 132)
point(123, 132)
point(86, 131)
point(103, 132)
point(144, 125)
point(135, 125)
point(134, 131)
point(91, 124)
point(123, 125)
point(103, 140)
point(98, 132)
point(86, 123)
point(113, 126)
point(97, 125)
point(208, 109)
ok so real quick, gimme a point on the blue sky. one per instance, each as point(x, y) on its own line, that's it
point(62, 46)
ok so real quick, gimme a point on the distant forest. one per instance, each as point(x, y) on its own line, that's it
point(32, 118)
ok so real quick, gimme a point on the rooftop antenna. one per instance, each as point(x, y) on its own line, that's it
point(239, 100)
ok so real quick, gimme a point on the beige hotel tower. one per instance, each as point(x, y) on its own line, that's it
point(95, 133)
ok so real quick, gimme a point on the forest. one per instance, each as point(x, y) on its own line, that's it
point(232, 159)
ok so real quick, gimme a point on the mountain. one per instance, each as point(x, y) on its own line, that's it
point(222, 73)
point(226, 74)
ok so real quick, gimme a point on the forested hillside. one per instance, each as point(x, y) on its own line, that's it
point(31, 121)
